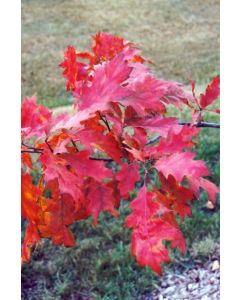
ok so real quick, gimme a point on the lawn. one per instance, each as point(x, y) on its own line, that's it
point(181, 37)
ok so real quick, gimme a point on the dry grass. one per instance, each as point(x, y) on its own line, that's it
point(180, 36)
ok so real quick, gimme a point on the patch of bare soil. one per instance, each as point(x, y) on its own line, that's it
point(200, 282)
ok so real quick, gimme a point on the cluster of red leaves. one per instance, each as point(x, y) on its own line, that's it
point(119, 106)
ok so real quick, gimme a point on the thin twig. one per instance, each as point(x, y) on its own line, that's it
point(103, 118)
point(31, 151)
point(48, 145)
point(153, 140)
point(75, 145)
point(100, 158)
point(30, 147)
point(201, 124)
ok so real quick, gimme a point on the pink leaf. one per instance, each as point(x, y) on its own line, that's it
point(211, 94)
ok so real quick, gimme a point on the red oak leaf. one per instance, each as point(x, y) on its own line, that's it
point(26, 160)
point(194, 98)
point(35, 119)
point(150, 230)
point(68, 122)
point(107, 143)
point(211, 94)
point(149, 249)
point(60, 141)
point(151, 94)
point(31, 239)
point(85, 167)
point(58, 214)
point(182, 164)
point(56, 168)
point(29, 199)
point(144, 208)
point(115, 118)
point(106, 47)
point(157, 124)
point(207, 185)
point(73, 71)
point(178, 196)
point(140, 136)
point(100, 198)
point(174, 142)
point(145, 93)
point(105, 86)
point(113, 184)
point(94, 123)
point(133, 147)
point(127, 177)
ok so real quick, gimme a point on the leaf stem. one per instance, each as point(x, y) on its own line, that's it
point(50, 148)
point(75, 145)
point(103, 118)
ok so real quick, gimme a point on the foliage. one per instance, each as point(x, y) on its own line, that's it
point(92, 160)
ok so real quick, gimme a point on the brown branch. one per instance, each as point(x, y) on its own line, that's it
point(31, 151)
point(100, 158)
point(201, 124)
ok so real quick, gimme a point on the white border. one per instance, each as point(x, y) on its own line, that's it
point(10, 207)
point(10, 75)
point(230, 149)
